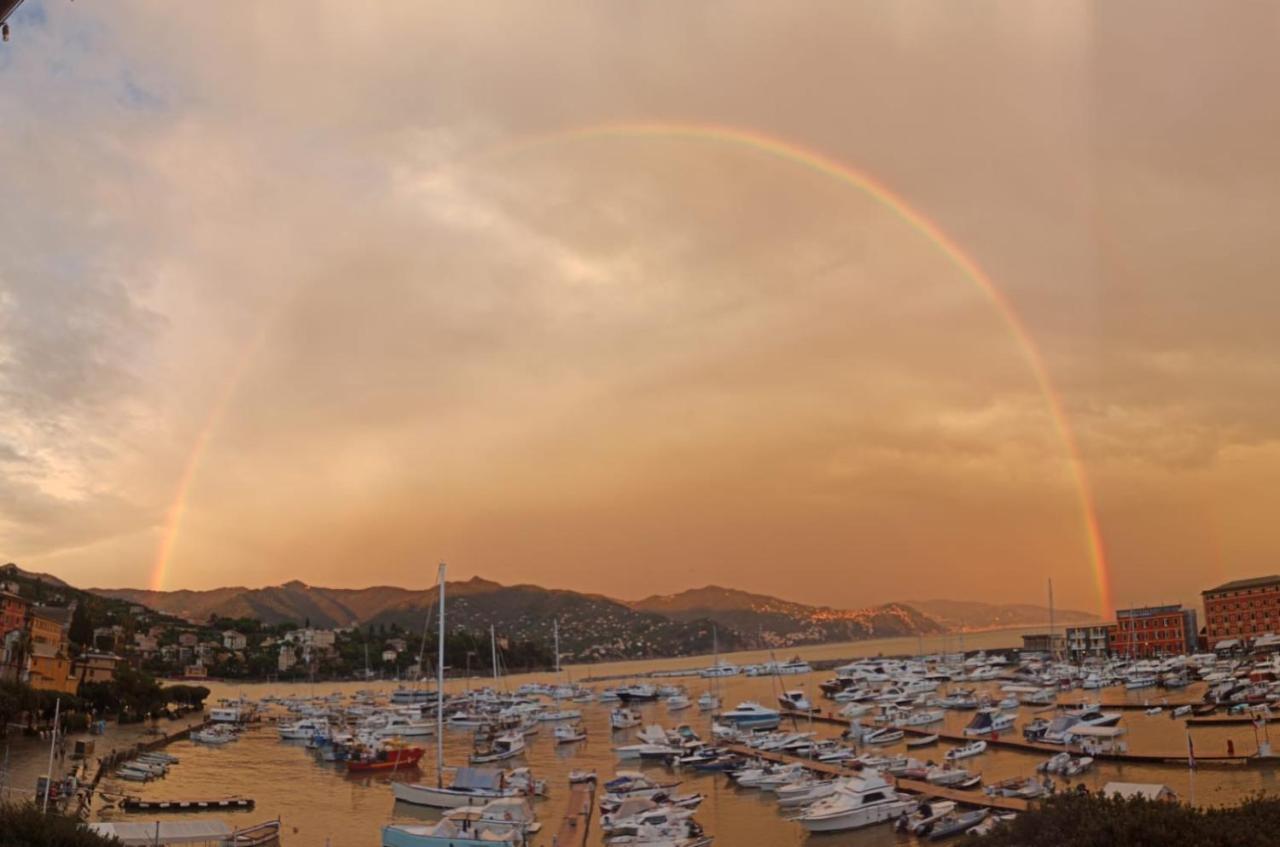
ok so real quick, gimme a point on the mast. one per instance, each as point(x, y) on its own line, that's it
point(1053, 653)
point(53, 742)
point(493, 656)
point(555, 630)
point(440, 689)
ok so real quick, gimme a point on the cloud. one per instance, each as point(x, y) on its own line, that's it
point(333, 250)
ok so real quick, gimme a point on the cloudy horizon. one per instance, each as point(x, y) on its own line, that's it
point(300, 293)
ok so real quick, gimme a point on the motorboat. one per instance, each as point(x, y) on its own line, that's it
point(399, 726)
point(1077, 766)
point(554, 715)
point(1055, 763)
point(627, 784)
point(924, 718)
point(973, 748)
point(956, 823)
point(751, 715)
point(947, 776)
point(988, 722)
point(303, 729)
point(508, 745)
point(678, 702)
point(569, 733)
point(708, 702)
point(921, 821)
point(624, 718)
point(719, 670)
point(863, 800)
point(795, 700)
point(793, 666)
point(640, 693)
point(922, 740)
point(507, 821)
point(884, 735)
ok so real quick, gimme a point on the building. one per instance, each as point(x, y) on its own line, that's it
point(1154, 631)
point(288, 658)
point(1086, 641)
point(1040, 642)
point(188, 639)
point(49, 660)
point(13, 612)
point(1242, 610)
point(233, 640)
point(95, 667)
point(195, 671)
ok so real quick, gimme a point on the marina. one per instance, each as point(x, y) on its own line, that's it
point(317, 795)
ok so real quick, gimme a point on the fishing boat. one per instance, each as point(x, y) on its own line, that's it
point(386, 759)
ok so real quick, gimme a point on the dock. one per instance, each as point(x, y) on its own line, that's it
point(1040, 748)
point(576, 824)
point(913, 786)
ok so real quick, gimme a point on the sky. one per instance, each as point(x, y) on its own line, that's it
point(556, 293)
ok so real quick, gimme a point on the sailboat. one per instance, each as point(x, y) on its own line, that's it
point(710, 700)
point(559, 714)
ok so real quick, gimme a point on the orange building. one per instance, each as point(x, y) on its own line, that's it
point(49, 662)
point(1242, 610)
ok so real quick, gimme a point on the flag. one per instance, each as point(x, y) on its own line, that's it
point(1191, 752)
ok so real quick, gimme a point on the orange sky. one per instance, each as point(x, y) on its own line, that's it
point(307, 298)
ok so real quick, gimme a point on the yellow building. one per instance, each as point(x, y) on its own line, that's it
point(95, 667)
point(49, 665)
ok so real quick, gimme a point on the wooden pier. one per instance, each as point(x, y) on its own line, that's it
point(913, 786)
point(1008, 743)
point(576, 824)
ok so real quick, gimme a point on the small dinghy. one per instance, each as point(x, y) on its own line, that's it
point(922, 740)
point(954, 824)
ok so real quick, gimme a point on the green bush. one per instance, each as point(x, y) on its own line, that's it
point(23, 825)
point(1082, 820)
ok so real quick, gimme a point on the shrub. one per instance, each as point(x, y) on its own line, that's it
point(23, 825)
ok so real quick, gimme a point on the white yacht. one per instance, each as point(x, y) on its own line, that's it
point(751, 715)
point(863, 800)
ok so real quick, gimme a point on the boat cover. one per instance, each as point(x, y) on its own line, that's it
point(485, 778)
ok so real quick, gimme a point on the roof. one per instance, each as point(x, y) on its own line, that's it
point(1150, 790)
point(164, 832)
point(55, 614)
point(1252, 582)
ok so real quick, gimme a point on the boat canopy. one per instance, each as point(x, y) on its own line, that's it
point(484, 778)
point(1098, 731)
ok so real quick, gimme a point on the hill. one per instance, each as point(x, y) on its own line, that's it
point(774, 622)
point(961, 615)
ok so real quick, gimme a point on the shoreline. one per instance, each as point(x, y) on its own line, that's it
point(817, 663)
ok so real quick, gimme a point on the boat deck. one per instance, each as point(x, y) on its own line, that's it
point(969, 798)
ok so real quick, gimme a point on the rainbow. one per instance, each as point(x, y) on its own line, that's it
point(178, 507)
point(825, 165)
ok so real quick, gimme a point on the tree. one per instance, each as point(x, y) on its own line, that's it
point(81, 630)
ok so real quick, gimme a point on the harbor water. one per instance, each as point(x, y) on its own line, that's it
point(320, 804)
